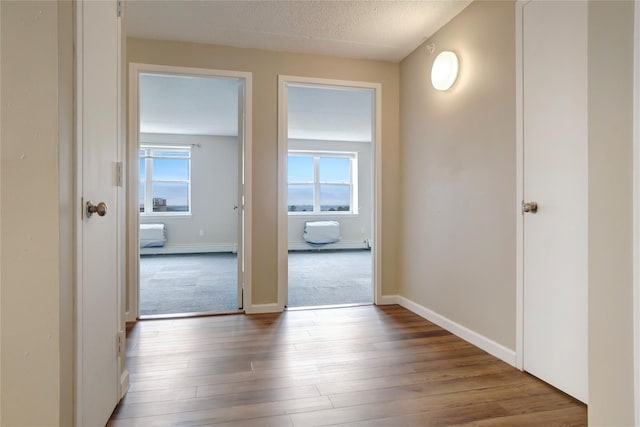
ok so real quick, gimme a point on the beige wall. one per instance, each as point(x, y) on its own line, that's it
point(0, 219)
point(32, 357)
point(610, 213)
point(458, 175)
point(66, 178)
point(266, 66)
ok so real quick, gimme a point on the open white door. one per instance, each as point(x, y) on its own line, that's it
point(97, 92)
point(554, 54)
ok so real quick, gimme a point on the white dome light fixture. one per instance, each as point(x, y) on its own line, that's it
point(444, 71)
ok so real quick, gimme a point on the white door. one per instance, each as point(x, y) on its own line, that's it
point(555, 176)
point(98, 49)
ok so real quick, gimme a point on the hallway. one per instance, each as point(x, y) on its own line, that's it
point(358, 366)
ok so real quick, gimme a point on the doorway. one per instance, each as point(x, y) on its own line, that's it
point(188, 163)
point(328, 204)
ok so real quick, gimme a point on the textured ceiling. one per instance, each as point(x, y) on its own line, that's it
point(384, 30)
point(189, 105)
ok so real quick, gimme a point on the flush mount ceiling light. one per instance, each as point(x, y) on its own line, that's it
point(445, 70)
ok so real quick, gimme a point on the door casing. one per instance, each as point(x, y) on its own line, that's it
point(133, 248)
point(283, 244)
point(636, 208)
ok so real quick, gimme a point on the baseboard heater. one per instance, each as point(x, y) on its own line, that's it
point(153, 235)
point(320, 233)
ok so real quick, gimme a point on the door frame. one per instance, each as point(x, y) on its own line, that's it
point(636, 208)
point(133, 249)
point(519, 186)
point(283, 243)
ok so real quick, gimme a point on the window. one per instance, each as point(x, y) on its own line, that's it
point(165, 180)
point(321, 183)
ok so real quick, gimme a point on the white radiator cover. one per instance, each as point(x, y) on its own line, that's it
point(322, 232)
point(153, 235)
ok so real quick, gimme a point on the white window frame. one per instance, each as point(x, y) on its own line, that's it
point(316, 183)
point(148, 181)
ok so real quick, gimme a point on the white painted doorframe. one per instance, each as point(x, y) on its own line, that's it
point(283, 244)
point(244, 243)
point(519, 189)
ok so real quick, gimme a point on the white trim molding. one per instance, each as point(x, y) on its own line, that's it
point(133, 274)
point(519, 279)
point(264, 308)
point(283, 217)
point(124, 383)
point(636, 210)
point(493, 348)
point(194, 248)
point(388, 300)
point(343, 244)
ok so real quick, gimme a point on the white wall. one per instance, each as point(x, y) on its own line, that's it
point(214, 193)
point(458, 239)
point(355, 229)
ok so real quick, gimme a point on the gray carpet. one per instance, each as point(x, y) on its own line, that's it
point(329, 278)
point(191, 283)
point(195, 283)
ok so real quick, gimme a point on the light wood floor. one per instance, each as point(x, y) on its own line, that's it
point(361, 366)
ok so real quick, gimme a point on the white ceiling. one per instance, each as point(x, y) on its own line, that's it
point(385, 30)
point(329, 114)
point(189, 105)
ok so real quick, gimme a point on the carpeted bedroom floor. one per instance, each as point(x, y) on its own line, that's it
point(194, 283)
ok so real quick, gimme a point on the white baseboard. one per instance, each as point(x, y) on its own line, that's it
point(264, 308)
point(498, 350)
point(194, 248)
point(388, 300)
point(303, 246)
point(131, 316)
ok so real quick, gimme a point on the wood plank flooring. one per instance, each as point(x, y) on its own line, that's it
point(359, 366)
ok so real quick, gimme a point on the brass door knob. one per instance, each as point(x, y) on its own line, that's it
point(100, 209)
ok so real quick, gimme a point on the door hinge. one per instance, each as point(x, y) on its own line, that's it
point(118, 174)
point(120, 344)
point(119, 12)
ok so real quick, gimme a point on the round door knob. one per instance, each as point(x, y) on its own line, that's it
point(529, 207)
point(100, 209)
